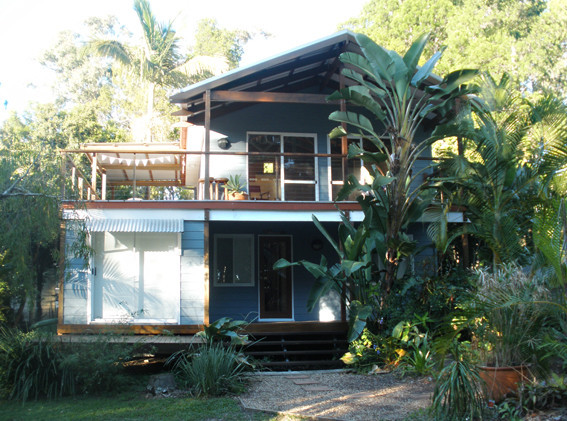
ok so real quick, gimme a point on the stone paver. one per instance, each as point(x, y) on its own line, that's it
point(301, 382)
point(317, 389)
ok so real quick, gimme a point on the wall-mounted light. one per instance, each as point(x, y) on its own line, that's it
point(317, 244)
point(224, 143)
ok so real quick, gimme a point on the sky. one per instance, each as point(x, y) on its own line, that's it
point(29, 27)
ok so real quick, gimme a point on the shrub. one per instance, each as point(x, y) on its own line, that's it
point(210, 370)
point(458, 388)
point(29, 364)
point(414, 339)
point(536, 397)
point(371, 349)
point(225, 329)
point(35, 364)
point(97, 366)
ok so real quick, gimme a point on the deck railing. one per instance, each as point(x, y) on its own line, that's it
point(97, 186)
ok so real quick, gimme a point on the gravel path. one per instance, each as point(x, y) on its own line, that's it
point(338, 395)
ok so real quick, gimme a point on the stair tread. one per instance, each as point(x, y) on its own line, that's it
point(299, 342)
point(295, 363)
point(297, 352)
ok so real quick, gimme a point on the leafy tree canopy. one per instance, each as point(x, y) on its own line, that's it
point(211, 40)
point(525, 39)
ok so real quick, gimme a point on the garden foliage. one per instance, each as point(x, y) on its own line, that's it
point(35, 365)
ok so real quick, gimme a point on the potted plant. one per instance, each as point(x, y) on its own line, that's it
point(509, 327)
point(236, 188)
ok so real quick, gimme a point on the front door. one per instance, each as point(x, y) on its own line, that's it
point(276, 299)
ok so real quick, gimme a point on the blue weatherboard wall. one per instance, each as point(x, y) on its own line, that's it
point(240, 302)
point(281, 118)
point(275, 118)
point(192, 273)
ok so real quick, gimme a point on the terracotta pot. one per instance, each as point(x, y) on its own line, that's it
point(237, 196)
point(503, 380)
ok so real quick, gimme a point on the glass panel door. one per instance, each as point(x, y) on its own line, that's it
point(275, 286)
point(299, 171)
point(136, 277)
point(264, 170)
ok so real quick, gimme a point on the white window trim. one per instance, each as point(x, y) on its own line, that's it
point(215, 263)
point(282, 178)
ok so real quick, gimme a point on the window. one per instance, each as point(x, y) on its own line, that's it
point(275, 177)
point(136, 277)
point(234, 260)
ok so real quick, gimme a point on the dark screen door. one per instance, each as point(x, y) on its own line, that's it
point(275, 286)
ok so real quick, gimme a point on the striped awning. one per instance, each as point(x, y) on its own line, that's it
point(135, 225)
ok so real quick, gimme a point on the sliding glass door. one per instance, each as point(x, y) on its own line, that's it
point(287, 171)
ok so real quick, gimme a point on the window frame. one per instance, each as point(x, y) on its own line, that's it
point(216, 261)
point(283, 180)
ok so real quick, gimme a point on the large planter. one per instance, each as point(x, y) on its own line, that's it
point(503, 380)
point(237, 196)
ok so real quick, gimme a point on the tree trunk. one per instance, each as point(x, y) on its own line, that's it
point(150, 111)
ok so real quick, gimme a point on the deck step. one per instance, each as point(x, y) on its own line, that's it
point(305, 350)
point(299, 342)
point(306, 364)
point(300, 352)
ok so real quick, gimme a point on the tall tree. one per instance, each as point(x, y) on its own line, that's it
point(157, 59)
point(526, 39)
point(212, 40)
point(29, 206)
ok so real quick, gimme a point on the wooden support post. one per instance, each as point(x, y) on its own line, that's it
point(63, 174)
point(80, 187)
point(74, 178)
point(103, 187)
point(207, 98)
point(61, 273)
point(134, 181)
point(92, 193)
point(206, 271)
point(344, 139)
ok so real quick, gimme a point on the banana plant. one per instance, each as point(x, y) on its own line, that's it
point(352, 277)
point(397, 97)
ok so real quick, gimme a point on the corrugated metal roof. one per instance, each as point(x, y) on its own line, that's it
point(241, 72)
point(135, 225)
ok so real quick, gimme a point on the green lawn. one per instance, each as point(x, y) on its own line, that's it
point(130, 406)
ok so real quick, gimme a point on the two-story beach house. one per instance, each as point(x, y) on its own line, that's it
point(192, 255)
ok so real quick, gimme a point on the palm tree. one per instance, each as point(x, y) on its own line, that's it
point(516, 150)
point(158, 61)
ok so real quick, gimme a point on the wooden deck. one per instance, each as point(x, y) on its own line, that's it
point(276, 345)
point(184, 330)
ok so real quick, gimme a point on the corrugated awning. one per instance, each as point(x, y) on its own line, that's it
point(135, 225)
